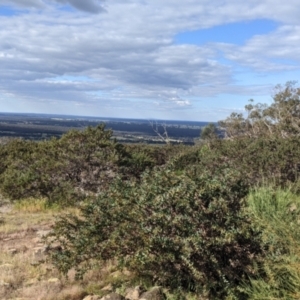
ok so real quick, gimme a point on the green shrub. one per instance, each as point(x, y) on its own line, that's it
point(257, 161)
point(139, 157)
point(176, 230)
point(62, 170)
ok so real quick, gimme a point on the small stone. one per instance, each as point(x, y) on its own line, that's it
point(154, 294)
point(6, 266)
point(31, 282)
point(113, 296)
point(39, 254)
point(23, 249)
point(293, 207)
point(116, 274)
point(92, 297)
point(134, 293)
point(42, 233)
point(13, 251)
point(126, 272)
point(36, 240)
point(3, 283)
point(53, 280)
point(107, 288)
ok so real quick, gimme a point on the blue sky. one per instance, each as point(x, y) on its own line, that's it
point(234, 33)
point(186, 60)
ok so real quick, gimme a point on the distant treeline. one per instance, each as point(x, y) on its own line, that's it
point(145, 128)
point(44, 127)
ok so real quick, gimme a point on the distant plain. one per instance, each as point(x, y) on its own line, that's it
point(44, 126)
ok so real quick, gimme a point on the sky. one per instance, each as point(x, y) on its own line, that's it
point(148, 59)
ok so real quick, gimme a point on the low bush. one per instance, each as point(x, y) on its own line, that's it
point(62, 170)
point(79, 164)
point(258, 161)
point(177, 230)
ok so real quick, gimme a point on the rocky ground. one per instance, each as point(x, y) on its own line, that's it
point(25, 273)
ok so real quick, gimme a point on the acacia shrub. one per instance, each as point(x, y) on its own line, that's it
point(177, 230)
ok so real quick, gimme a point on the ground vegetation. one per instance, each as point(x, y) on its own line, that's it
point(217, 220)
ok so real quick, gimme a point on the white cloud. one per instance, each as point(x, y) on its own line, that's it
point(277, 51)
point(129, 53)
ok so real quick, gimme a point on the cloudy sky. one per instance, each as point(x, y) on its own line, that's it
point(165, 59)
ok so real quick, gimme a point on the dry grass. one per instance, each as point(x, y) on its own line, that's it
point(24, 272)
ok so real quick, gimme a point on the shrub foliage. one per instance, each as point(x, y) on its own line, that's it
point(174, 229)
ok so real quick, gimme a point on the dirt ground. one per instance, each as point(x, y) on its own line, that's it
point(24, 270)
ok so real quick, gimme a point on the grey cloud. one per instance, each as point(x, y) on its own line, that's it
point(91, 6)
point(147, 65)
point(24, 3)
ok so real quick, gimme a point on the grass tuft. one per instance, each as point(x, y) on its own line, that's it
point(34, 205)
point(277, 212)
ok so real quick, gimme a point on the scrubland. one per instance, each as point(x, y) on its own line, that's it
point(219, 220)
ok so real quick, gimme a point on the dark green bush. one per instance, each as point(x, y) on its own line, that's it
point(176, 230)
point(63, 170)
point(79, 164)
point(140, 157)
point(257, 160)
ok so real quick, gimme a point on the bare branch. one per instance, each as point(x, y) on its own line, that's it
point(164, 136)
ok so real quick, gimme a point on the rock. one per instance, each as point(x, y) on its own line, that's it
point(36, 240)
point(116, 274)
point(31, 282)
point(39, 254)
point(92, 297)
point(42, 233)
point(134, 293)
point(108, 288)
point(3, 283)
point(155, 293)
point(293, 207)
point(13, 251)
point(6, 266)
point(23, 249)
point(127, 273)
point(53, 280)
point(113, 296)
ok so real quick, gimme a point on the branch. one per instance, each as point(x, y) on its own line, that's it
point(164, 136)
